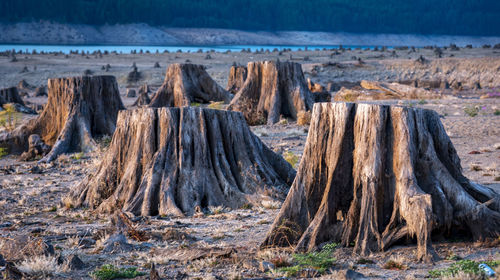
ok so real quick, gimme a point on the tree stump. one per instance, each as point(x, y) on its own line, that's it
point(187, 83)
point(78, 109)
point(272, 89)
point(10, 95)
point(237, 77)
point(142, 100)
point(375, 175)
point(172, 161)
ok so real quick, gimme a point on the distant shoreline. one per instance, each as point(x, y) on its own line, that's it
point(48, 33)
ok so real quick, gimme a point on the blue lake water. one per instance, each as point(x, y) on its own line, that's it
point(153, 49)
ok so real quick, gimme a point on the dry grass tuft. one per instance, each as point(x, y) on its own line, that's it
point(396, 263)
point(304, 118)
point(40, 266)
point(271, 204)
point(203, 264)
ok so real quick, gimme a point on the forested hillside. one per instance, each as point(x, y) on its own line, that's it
point(455, 17)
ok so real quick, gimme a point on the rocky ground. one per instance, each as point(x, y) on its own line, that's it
point(223, 243)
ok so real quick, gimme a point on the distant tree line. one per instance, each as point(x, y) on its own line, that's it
point(463, 17)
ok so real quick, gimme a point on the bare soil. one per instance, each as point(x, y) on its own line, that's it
point(225, 245)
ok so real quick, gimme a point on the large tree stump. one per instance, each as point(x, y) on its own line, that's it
point(170, 161)
point(10, 95)
point(187, 83)
point(272, 89)
point(375, 175)
point(237, 77)
point(78, 110)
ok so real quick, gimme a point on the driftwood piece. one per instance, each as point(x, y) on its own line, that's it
point(237, 77)
point(172, 161)
point(370, 90)
point(78, 110)
point(272, 89)
point(374, 175)
point(187, 83)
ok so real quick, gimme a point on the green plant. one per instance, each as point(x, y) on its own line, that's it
point(465, 266)
point(3, 152)
point(247, 206)
point(320, 261)
point(9, 118)
point(105, 141)
point(195, 104)
point(471, 111)
point(497, 112)
point(216, 105)
point(349, 97)
point(109, 272)
point(78, 156)
point(292, 158)
point(422, 102)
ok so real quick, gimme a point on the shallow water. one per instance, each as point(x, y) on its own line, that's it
point(153, 49)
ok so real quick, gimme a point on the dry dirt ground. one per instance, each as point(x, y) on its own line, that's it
point(223, 244)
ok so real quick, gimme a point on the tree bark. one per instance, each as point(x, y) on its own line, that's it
point(78, 109)
point(374, 175)
point(272, 89)
point(187, 83)
point(171, 161)
point(237, 77)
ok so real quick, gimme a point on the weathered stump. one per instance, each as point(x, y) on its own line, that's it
point(10, 95)
point(272, 89)
point(375, 175)
point(171, 161)
point(237, 77)
point(78, 110)
point(187, 83)
point(142, 100)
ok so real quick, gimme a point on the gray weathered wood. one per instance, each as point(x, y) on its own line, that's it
point(272, 89)
point(374, 175)
point(171, 161)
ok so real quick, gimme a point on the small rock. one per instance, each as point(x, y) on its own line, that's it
point(37, 148)
point(266, 266)
point(117, 243)
point(474, 153)
point(14, 248)
point(250, 264)
point(75, 263)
